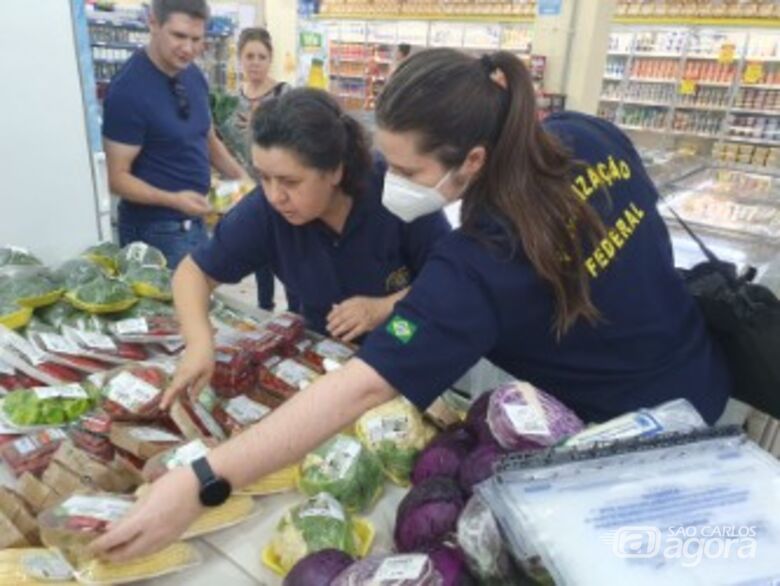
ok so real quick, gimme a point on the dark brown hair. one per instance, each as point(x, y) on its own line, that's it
point(311, 124)
point(163, 9)
point(451, 101)
point(258, 34)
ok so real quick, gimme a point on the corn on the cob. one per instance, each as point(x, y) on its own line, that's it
point(235, 510)
point(282, 481)
point(174, 558)
point(33, 567)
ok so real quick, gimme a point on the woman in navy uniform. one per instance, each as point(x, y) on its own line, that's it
point(562, 274)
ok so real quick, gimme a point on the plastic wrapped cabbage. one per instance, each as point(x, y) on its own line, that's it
point(319, 568)
point(415, 569)
point(14, 256)
point(396, 433)
point(105, 254)
point(451, 564)
point(102, 295)
point(346, 470)
point(318, 523)
point(48, 405)
point(77, 272)
point(13, 315)
point(521, 417)
point(444, 455)
point(428, 514)
point(147, 307)
point(150, 281)
point(484, 548)
point(86, 322)
point(33, 290)
point(139, 254)
point(56, 314)
point(479, 465)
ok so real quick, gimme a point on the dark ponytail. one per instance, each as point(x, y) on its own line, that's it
point(455, 102)
point(311, 124)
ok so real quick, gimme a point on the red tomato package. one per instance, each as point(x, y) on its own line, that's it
point(324, 355)
point(234, 372)
point(289, 326)
point(240, 412)
point(283, 377)
point(133, 393)
point(32, 453)
point(27, 358)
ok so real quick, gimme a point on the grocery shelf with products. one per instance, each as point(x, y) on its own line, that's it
point(695, 83)
point(717, 11)
point(436, 9)
point(361, 54)
point(116, 35)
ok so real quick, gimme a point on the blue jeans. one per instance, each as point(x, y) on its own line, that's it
point(175, 239)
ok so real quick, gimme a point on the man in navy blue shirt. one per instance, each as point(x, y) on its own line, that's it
point(158, 135)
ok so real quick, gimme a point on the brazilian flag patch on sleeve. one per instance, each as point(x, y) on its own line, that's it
point(401, 329)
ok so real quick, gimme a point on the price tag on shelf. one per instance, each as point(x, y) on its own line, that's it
point(482, 36)
point(385, 33)
point(446, 34)
point(353, 31)
point(726, 53)
point(754, 72)
point(687, 87)
point(413, 33)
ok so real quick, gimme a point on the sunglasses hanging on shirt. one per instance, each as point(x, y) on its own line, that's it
point(182, 101)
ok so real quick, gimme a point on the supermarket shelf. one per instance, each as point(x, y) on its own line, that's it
point(650, 103)
point(771, 23)
point(706, 57)
point(493, 19)
point(651, 80)
point(756, 112)
point(713, 83)
point(613, 77)
point(659, 54)
point(701, 107)
point(344, 76)
point(704, 135)
point(761, 141)
point(618, 53)
point(775, 59)
point(642, 128)
point(363, 61)
point(606, 99)
point(124, 25)
point(117, 45)
point(761, 86)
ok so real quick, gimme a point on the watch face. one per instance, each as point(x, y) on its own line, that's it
point(215, 493)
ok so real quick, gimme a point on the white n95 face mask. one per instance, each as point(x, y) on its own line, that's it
point(409, 200)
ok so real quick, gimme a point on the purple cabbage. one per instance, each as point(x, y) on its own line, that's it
point(319, 568)
point(476, 419)
point(523, 418)
point(451, 564)
point(419, 570)
point(443, 455)
point(479, 465)
point(428, 514)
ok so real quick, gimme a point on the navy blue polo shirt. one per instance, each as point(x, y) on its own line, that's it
point(472, 301)
point(376, 255)
point(141, 109)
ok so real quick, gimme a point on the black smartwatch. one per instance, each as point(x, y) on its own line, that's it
point(214, 490)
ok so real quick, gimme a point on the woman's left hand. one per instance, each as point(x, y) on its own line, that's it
point(354, 317)
point(157, 520)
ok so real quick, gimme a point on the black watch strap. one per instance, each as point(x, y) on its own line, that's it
point(214, 490)
point(204, 472)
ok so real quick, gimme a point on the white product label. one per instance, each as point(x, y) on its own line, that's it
point(102, 508)
point(97, 379)
point(151, 434)
point(623, 427)
point(58, 344)
point(333, 350)
point(223, 357)
point(46, 567)
point(401, 567)
point(282, 322)
point(74, 391)
point(131, 392)
point(322, 505)
point(31, 443)
point(6, 368)
point(271, 362)
point(245, 411)
point(94, 340)
point(526, 419)
point(208, 421)
point(128, 327)
point(294, 374)
point(330, 365)
point(342, 457)
point(187, 454)
point(31, 353)
point(387, 428)
point(173, 346)
point(136, 252)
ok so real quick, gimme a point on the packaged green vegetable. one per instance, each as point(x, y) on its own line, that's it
point(77, 272)
point(14, 256)
point(346, 470)
point(105, 254)
point(318, 523)
point(57, 313)
point(149, 281)
point(32, 290)
point(48, 405)
point(13, 315)
point(139, 254)
point(102, 295)
point(147, 307)
point(396, 433)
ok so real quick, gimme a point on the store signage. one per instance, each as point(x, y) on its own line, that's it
point(549, 7)
point(413, 33)
point(726, 54)
point(687, 87)
point(385, 33)
point(446, 34)
point(754, 72)
point(482, 36)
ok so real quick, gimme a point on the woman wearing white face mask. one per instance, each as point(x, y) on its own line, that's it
point(562, 274)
